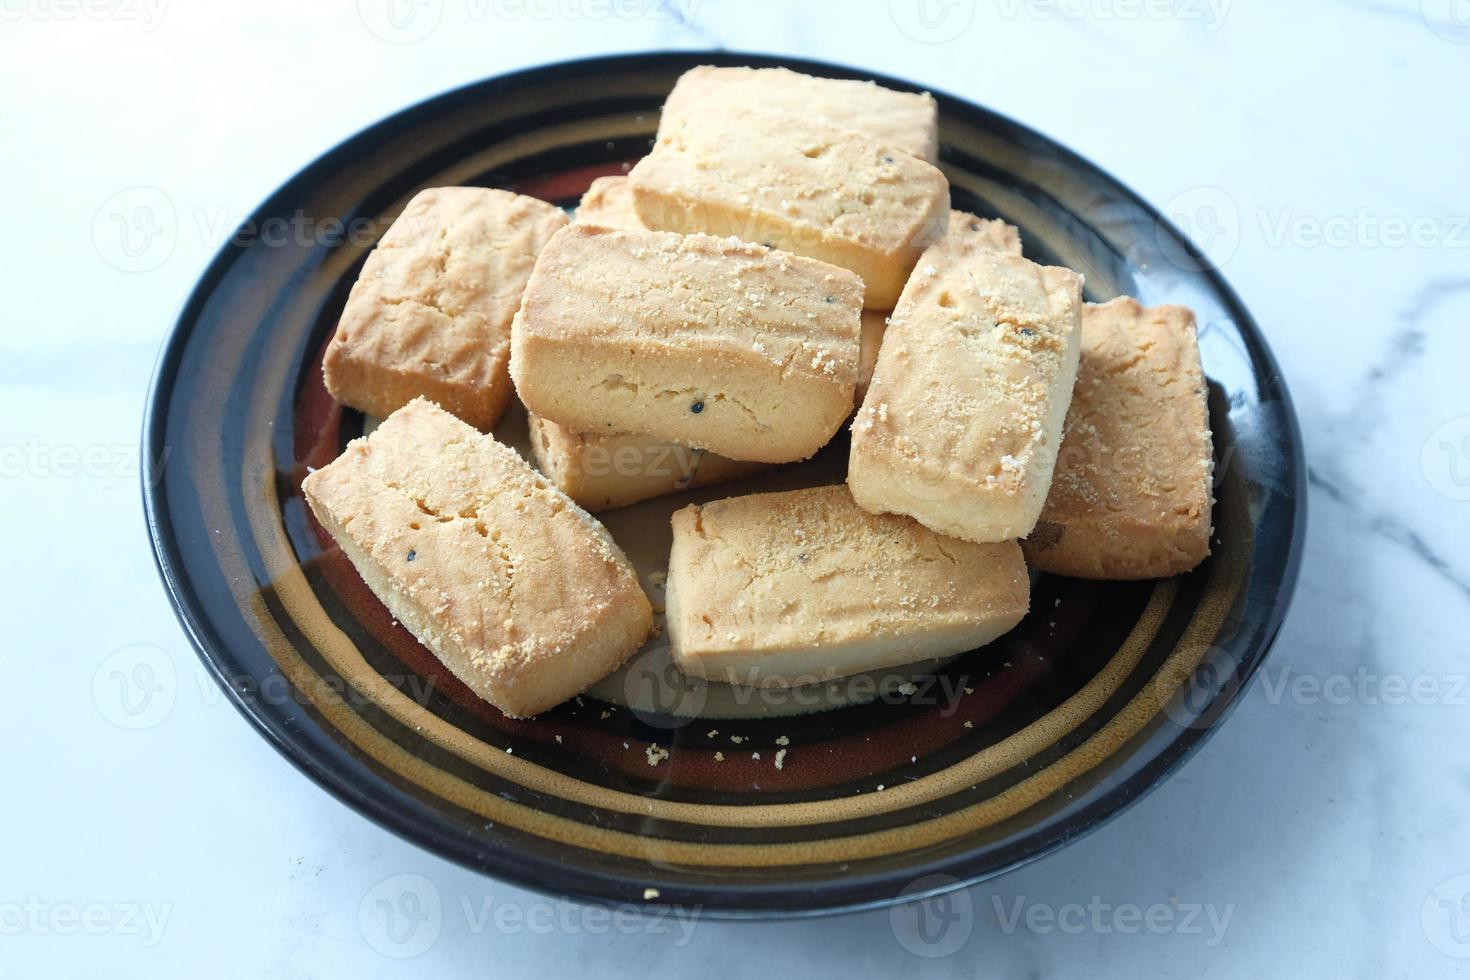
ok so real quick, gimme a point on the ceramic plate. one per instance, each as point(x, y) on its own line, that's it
point(959, 772)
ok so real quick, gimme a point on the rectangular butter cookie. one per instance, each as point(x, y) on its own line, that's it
point(1131, 497)
point(705, 342)
point(603, 471)
point(521, 594)
point(430, 314)
point(799, 184)
point(906, 120)
point(962, 422)
point(798, 587)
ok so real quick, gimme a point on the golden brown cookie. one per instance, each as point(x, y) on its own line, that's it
point(430, 314)
point(521, 594)
point(988, 233)
point(609, 203)
point(1131, 497)
point(603, 471)
point(796, 183)
point(907, 120)
point(706, 342)
point(962, 422)
point(793, 588)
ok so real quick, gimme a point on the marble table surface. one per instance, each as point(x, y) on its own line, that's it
point(1323, 147)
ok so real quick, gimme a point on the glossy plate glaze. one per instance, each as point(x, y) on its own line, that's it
point(994, 758)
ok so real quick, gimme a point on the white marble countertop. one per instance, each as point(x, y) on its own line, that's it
point(1322, 832)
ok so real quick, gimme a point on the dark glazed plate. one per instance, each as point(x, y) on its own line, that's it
point(1002, 755)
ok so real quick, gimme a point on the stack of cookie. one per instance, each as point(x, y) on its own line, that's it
point(785, 255)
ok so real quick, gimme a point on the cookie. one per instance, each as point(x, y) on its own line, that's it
point(961, 425)
point(981, 232)
point(797, 183)
point(906, 120)
point(608, 202)
point(1131, 496)
point(430, 314)
point(985, 233)
point(798, 587)
point(518, 591)
point(705, 342)
point(603, 471)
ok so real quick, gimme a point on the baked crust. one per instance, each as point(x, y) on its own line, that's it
point(521, 594)
point(430, 314)
point(989, 233)
point(608, 202)
point(705, 342)
point(1131, 497)
point(907, 120)
point(796, 183)
point(603, 471)
point(962, 422)
point(983, 233)
point(797, 587)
